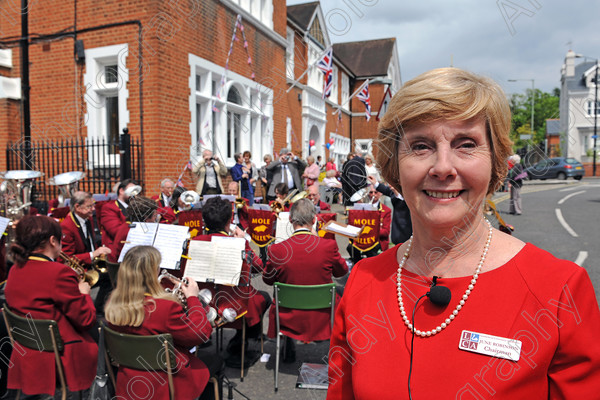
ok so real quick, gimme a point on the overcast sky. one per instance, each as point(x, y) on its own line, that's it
point(486, 37)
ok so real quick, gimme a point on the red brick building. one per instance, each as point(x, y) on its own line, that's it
point(183, 76)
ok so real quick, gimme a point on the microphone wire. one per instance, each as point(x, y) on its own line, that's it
point(412, 341)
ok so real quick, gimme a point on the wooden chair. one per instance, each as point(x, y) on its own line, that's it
point(47, 338)
point(300, 297)
point(139, 352)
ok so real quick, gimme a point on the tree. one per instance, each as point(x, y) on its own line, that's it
point(545, 107)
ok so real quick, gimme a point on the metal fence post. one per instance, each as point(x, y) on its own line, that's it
point(125, 151)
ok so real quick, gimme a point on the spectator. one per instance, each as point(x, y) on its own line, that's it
point(264, 178)
point(287, 169)
point(334, 185)
point(311, 173)
point(371, 168)
point(515, 179)
point(243, 175)
point(209, 174)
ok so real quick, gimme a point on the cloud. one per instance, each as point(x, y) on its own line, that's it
point(475, 35)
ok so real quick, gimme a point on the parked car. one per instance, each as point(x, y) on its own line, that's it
point(558, 167)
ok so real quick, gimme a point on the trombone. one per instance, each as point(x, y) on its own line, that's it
point(277, 207)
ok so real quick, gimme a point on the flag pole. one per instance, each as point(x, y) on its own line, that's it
point(306, 70)
point(337, 110)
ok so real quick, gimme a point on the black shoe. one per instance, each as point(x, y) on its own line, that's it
point(235, 360)
point(290, 351)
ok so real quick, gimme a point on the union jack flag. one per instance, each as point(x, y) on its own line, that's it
point(365, 97)
point(325, 65)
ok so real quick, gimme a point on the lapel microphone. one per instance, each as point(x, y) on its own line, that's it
point(439, 295)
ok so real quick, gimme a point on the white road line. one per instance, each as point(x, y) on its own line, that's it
point(569, 196)
point(564, 223)
point(581, 258)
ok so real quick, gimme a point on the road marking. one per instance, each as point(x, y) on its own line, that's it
point(581, 258)
point(564, 223)
point(572, 188)
point(569, 196)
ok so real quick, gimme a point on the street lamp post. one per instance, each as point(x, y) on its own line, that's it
point(532, 105)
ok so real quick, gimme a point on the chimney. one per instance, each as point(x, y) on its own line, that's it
point(569, 66)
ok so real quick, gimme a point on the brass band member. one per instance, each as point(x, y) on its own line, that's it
point(78, 230)
point(44, 289)
point(141, 209)
point(217, 218)
point(113, 213)
point(140, 306)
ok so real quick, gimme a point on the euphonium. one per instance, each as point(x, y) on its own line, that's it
point(90, 277)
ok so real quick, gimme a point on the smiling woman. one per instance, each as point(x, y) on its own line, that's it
point(443, 144)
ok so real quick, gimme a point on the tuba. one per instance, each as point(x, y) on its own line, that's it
point(90, 277)
point(15, 196)
point(67, 184)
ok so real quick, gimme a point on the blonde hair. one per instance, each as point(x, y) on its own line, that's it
point(137, 277)
point(451, 94)
point(330, 174)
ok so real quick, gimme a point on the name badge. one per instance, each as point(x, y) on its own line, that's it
point(489, 345)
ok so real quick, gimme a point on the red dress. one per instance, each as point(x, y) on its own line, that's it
point(49, 290)
point(167, 316)
point(257, 304)
point(303, 259)
point(547, 303)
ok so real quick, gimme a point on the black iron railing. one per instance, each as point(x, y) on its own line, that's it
point(101, 161)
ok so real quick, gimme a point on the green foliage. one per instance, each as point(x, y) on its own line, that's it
point(545, 107)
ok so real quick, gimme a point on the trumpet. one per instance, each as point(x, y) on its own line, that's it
point(91, 277)
point(205, 296)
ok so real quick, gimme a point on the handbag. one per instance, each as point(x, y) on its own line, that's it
point(101, 388)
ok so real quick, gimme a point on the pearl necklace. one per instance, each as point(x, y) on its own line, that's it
point(454, 313)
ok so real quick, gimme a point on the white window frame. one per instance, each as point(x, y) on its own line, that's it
point(345, 91)
point(589, 108)
point(261, 10)
point(97, 90)
point(289, 54)
point(315, 76)
point(256, 112)
point(341, 148)
point(6, 58)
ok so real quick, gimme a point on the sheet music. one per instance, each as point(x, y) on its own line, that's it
point(364, 206)
point(3, 224)
point(264, 207)
point(228, 259)
point(140, 234)
point(284, 228)
point(199, 266)
point(169, 241)
point(219, 260)
point(349, 230)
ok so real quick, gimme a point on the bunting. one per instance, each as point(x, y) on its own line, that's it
point(234, 38)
